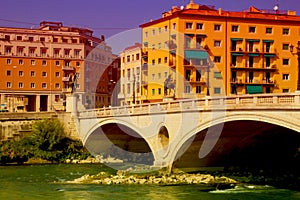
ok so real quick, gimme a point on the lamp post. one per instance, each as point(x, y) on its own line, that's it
point(298, 58)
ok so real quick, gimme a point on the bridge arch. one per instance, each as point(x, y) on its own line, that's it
point(107, 129)
point(276, 119)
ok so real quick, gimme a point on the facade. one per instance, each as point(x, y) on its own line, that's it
point(41, 67)
point(131, 77)
point(206, 52)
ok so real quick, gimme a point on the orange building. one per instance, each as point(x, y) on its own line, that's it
point(208, 51)
point(39, 67)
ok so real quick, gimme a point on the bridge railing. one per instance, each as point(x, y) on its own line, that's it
point(207, 103)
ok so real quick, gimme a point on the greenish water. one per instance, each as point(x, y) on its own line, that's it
point(45, 182)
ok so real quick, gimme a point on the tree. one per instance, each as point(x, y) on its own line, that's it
point(48, 138)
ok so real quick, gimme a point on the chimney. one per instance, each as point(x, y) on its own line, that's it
point(102, 38)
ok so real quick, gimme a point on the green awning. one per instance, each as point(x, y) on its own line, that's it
point(236, 39)
point(253, 54)
point(254, 89)
point(252, 40)
point(237, 54)
point(269, 55)
point(195, 54)
point(271, 41)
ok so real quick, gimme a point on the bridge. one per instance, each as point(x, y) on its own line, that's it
point(163, 132)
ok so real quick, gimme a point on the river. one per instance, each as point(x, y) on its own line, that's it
point(31, 182)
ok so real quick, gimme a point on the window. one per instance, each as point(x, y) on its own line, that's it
point(137, 56)
point(32, 85)
point(159, 30)
point(285, 61)
point(56, 97)
point(21, 85)
point(19, 37)
point(42, 39)
point(8, 61)
point(198, 89)
point(159, 46)
point(159, 91)
point(57, 86)
point(32, 62)
point(166, 60)
point(57, 74)
point(76, 53)
point(30, 39)
point(188, 25)
point(44, 85)
point(165, 74)
point(285, 90)
point(285, 31)
point(153, 92)
point(8, 73)
point(199, 26)
point(187, 89)
point(153, 62)
point(217, 43)
point(285, 77)
point(174, 26)
point(269, 30)
point(217, 27)
point(166, 28)
point(217, 90)
point(217, 59)
point(159, 61)
point(234, 28)
point(31, 51)
point(21, 62)
point(8, 84)
point(44, 74)
point(153, 77)
point(21, 73)
point(252, 29)
point(146, 34)
point(159, 76)
point(153, 32)
point(153, 47)
point(55, 39)
point(77, 64)
point(217, 75)
point(7, 49)
point(44, 62)
point(32, 73)
point(285, 47)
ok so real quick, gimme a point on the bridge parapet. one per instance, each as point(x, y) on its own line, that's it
point(271, 101)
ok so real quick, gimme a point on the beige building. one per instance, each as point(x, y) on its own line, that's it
point(130, 80)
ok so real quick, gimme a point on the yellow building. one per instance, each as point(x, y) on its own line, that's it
point(130, 80)
point(202, 51)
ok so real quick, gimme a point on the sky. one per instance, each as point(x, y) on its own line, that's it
point(112, 18)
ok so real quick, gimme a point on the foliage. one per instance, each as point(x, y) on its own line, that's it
point(48, 141)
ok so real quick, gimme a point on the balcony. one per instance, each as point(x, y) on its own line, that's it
point(239, 67)
point(66, 79)
point(67, 68)
point(254, 81)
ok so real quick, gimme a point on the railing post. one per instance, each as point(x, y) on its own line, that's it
point(132, 109)
point(149, 108)
point(275, 100)
point(254, 100)
point(237, 100)
point(297, 99)
point(193, 103)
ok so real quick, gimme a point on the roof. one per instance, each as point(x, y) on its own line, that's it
point(208, 11)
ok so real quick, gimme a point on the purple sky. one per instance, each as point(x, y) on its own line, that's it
point(109, 17)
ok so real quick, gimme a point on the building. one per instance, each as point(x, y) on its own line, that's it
point(131, 78)
point(197, 50)
point(41, 67)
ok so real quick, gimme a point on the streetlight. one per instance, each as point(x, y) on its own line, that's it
point(298, 54)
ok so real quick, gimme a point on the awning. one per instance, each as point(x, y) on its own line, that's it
point(237, 54)
point(189, 35)
point(253, 54)
point(236, 39)
point(195, 54)
point(252, 40)
point(254, 89)
point(269, 55)
point(265, 41)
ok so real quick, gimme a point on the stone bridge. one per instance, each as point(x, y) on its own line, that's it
point(167, 130)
